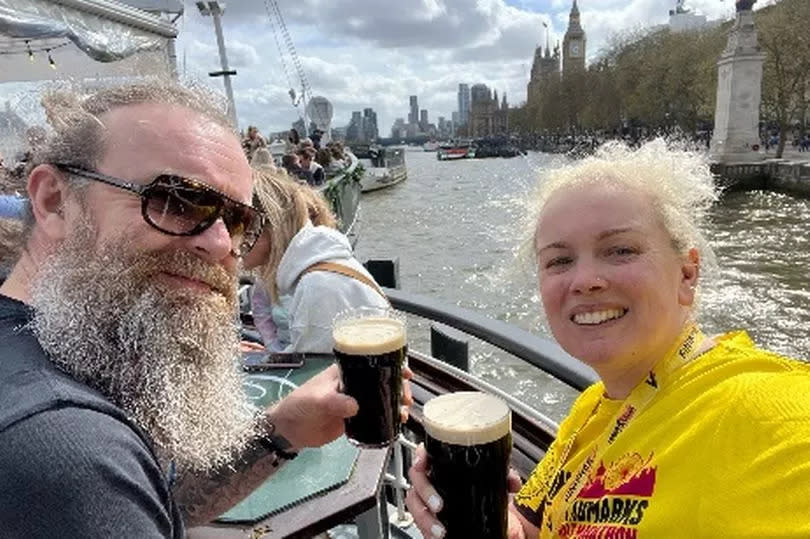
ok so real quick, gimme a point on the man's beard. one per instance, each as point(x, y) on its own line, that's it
point(167, 356)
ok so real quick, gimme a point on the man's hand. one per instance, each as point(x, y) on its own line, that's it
point(407, 396)
point(312, 415)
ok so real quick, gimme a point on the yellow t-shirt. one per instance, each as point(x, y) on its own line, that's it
point(722, 450)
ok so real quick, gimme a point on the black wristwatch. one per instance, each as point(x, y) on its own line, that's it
point(275, 443)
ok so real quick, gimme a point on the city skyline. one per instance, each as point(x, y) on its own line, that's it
point(358, 55)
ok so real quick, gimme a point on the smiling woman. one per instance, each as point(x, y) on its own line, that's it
point(705, 432)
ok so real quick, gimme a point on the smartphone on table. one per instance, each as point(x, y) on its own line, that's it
point(262, 360)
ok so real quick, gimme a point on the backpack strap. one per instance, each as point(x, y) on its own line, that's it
point(333, 267)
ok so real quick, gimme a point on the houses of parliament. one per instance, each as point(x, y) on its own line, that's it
point(546, 66)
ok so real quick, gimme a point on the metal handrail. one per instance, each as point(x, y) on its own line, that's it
point(542, 353)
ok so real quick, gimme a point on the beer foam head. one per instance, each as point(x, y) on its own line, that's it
point(369, 336)
point(467, 418)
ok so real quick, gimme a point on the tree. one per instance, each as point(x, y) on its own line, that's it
point(783, 38)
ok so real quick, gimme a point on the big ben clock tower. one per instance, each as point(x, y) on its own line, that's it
point(574, 43)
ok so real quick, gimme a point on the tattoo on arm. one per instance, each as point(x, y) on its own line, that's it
point(202, 498)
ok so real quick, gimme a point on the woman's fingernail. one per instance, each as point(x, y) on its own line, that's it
point(437, 531)
point(434, 502)
point(416, 461)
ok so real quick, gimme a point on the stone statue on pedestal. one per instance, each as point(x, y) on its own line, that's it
point(739, 92)
point(745, 5)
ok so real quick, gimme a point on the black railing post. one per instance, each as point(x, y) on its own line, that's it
point(452, 349)
point(384, 271)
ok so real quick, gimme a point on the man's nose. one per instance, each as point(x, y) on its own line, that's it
point(214, 244)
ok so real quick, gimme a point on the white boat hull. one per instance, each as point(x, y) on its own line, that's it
point(379, 178)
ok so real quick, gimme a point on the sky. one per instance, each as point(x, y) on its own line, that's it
point(376, 53)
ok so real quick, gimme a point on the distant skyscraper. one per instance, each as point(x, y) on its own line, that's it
point(370, 130)
point(413, 115)
point(398, 130)
point(463, 103)
point(355, 129)
point(423, 119)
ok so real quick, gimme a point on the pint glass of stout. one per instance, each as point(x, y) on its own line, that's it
point(370, 349)
point(468, 438)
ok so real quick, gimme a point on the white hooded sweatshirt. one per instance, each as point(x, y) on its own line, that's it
point(318, 296)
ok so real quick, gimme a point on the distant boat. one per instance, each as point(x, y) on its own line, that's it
point(457, 150)
point(431, 146)
point(384, 167)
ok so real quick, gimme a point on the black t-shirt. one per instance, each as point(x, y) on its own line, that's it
point(71, 463)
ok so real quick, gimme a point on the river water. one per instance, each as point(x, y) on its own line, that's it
point(454, 226)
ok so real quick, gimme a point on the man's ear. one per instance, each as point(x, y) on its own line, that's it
point(690, 271)
point(48, 193)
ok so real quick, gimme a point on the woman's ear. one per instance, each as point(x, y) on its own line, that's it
point(690, 271)
point(48, 193)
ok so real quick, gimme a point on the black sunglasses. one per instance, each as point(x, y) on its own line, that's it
point(180, 206)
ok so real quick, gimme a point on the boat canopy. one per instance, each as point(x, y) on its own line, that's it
point(44, 40)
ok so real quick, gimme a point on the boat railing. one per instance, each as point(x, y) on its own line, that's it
point(542, 353)
point(344, 199)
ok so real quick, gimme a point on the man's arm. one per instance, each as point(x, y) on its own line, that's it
point(75, 472)
point(203, 498)
point(311, 416)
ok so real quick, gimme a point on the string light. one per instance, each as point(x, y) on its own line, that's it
point(30, 51)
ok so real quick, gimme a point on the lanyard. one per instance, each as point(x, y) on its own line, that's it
point(684, 349)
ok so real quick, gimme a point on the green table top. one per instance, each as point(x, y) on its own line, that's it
point(313, 472)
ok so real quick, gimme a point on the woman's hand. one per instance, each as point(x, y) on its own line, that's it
point(422, 500)
point(514, 528)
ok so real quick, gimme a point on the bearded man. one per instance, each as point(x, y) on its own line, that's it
point(122, 412)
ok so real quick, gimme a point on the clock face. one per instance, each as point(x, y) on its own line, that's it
point(574, 48)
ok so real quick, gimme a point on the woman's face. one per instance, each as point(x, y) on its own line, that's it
point(258, 255)
point(614, 289)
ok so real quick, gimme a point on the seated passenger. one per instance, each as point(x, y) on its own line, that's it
point(307, 157)
point(338, 155)
point(122, 406)
point(301, 255)
point(252, 142)
point(292, 141)
point(291, 163)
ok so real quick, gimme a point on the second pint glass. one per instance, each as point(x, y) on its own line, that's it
point(370, 349)
point(468, 438)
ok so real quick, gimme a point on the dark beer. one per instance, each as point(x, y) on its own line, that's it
point(469, 442)
point(371, 353)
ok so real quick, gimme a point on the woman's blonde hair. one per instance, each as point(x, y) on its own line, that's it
point(678, 182)
point(288, 207)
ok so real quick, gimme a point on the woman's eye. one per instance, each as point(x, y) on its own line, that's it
point(558, 261)
point(622, 250)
